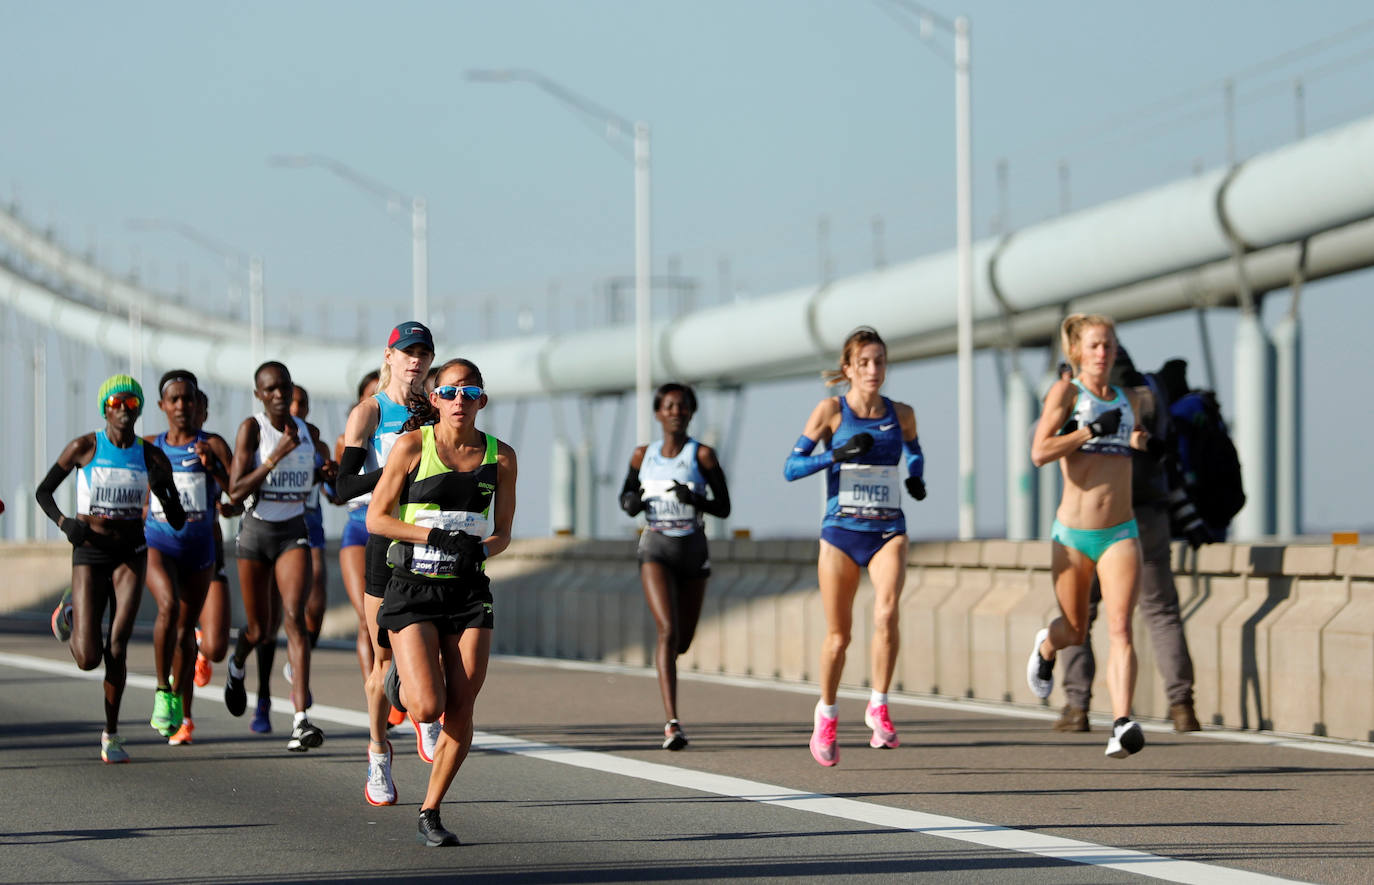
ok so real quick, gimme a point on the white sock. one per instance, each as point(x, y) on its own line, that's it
point(299, 718)
point(877, 698)
point(235, 670)
point(828, 711)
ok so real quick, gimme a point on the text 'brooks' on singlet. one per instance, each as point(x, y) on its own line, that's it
point(115, 484)
point(657, 473)
point(1087, 408)
point(196, 487)
point(864, 495)
point(283, 492)
point(436, 496)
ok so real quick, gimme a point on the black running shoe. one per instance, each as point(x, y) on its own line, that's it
point(673, 736)
point(1127, 739)
point(432, 832)
point(235, 697)
point(392, 686)
point(304, 736)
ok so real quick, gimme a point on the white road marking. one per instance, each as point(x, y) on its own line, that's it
point(974, 832)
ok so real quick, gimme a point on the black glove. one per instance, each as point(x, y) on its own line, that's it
point(854, 447)
point(684, 494)
point(632, 502)
point(1106, 424)
point(1069, 427)
point(916, 487)
point(76, 531)
point(466, 549)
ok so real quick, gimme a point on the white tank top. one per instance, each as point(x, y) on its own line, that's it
point(282, 494)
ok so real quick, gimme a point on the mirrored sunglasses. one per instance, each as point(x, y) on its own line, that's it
point(449, 391)
point(124, 401)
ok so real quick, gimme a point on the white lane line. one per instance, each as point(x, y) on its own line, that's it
point(988, 835)
point(991, 708)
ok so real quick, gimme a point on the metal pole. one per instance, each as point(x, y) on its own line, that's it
point(643, 305)
point(964, 174)
point(419, 243)
point(255, 308)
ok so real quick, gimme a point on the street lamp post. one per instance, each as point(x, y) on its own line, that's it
point(643, 225)
point(251, 264)
point(419, 218)
point(963, 160)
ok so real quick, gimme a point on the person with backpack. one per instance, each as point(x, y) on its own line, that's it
point(1157, 499)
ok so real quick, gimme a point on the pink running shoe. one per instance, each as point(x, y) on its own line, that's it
point(884, 732)
point(824, 748)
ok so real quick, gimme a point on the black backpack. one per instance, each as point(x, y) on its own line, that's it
point(1207, 460)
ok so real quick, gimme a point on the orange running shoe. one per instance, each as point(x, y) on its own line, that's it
point(183, 735)
point(203, 666)
point(395, 718)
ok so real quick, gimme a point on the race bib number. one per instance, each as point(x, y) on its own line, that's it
point(665, 511)
point(290, 481)
point(869, 491)
point(426, 560)
point(117, 492)
point(191, 490)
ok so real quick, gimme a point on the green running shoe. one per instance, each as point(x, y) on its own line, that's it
point(167, 713)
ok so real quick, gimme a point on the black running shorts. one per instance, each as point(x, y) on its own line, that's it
point(686, 557)
point(265, 541)
point(375, 566)
point(451, 606)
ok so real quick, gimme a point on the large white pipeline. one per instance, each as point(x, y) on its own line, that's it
point(1158, 251)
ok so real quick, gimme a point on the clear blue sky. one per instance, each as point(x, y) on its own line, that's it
point(767, 116)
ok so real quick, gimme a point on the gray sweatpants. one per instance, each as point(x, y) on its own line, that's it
point(1158, 604)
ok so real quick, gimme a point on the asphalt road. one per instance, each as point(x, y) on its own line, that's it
point(567, 784)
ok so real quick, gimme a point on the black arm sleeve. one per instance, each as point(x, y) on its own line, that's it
point(45, 492)
point(631, 481)
point(630, 500)
point(718, 505)
point(351, 483)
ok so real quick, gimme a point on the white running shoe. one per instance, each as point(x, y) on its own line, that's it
point(380, 788)
point(1039, 687)
point(1127, 738)
point(427, 738)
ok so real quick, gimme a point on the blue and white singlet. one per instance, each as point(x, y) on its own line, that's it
point(115, 484)
point(1088, 408)
point(864, 495)
point(198, 492)
point(666, 514)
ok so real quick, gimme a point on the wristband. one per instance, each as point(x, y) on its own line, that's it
point(269, 464)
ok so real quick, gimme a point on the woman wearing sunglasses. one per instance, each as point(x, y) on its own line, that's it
point(667, 480)
point(274, 463)
point(373, 426)
point(447, 498)
point(182, 561)
point(115, 471)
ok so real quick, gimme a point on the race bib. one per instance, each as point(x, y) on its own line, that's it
point(665, 512)
point(434, 563)
point(117, 492)
point(289, 481)
point(191, 490)
point(869, 491)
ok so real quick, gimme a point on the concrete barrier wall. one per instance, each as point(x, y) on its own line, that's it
point(1282, 637)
